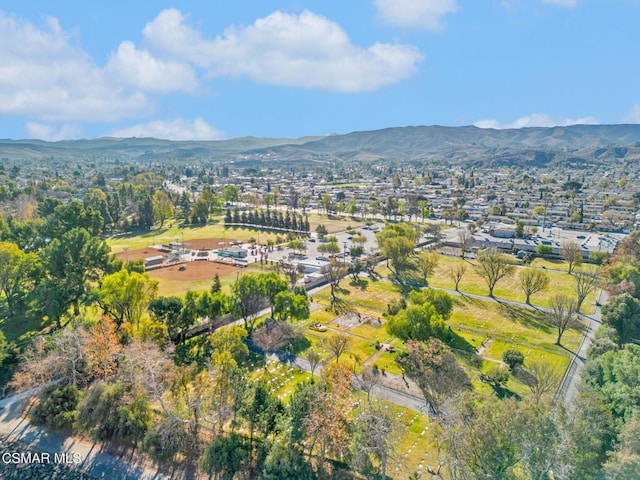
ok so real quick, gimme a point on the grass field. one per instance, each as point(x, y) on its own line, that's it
point(509, 287)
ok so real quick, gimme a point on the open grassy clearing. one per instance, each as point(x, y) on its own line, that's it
point(177, 234)
point(509, 287)
point(334, 223)
point(372, 300)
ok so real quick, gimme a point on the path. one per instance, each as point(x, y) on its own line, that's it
point(15, 428)
point(570, 385)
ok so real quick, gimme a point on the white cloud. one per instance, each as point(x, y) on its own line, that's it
point(305, 50)
point(139, 69)
point(178, 129)
point(45, 76)
point(52, 133)
point(633, 116)
point(536, 120)
point(562, 3)
point(423, 14)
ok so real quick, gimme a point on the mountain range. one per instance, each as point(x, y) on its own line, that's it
point(468, 145)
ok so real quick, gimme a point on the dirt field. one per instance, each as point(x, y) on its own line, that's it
point(200, 270)
point(208, 243)
point(140, 254)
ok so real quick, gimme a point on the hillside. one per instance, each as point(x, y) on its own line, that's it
point(464, 145)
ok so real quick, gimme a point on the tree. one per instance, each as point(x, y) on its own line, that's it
point(624, 461)
point(288, 305)
point(314, 359)
point(72, 263)
point(162, 206)
point(585, 284)
point(623, 314)
point(497, 377)
point(283, 461)
point(102, 349)
point(125, 295)
point(17, 274)
point(417, 322)
point(542, 380)
point(513, 358)
point(396, 242)
point(571, 252)
point(337, 344)
point(562, 314)
point(375, 435)
point(271, 285)
point(230, 193)
point(465, 238)
point(532, 281)
point(330, 248)
point(327, 420)
point(334, 275)
point(225, 456)
point(456, 273)
point(426, 263)
point(435, 369)
point(492, 266)
point(247, 298)
point(298, 245)
point(273, 336)
point(543, 250)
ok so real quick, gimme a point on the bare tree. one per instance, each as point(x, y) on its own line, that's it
point(465, 237)
point(426, 263)
point(562, 314)
point(367, 380)
point(532, 281)
point(314, 359)
point(376, 433)
point(542, 380)
point(493, 266)
point(338, 344)
point(334, 275)
point(456, 274)
point(585, 284)
point(571, 252)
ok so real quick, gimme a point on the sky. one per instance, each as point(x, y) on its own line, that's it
point(214, 69)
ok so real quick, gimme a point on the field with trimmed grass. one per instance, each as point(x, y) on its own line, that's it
point(334, 223)
point(509, 287)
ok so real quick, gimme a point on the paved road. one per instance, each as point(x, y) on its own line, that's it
point(570, 386)
point(91, 459)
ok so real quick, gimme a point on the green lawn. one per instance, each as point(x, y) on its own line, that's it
point(174, 233)
point(509, 287)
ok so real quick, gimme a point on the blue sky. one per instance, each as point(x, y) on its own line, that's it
point(220, 69)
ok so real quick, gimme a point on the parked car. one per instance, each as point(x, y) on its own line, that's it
point(318, 327)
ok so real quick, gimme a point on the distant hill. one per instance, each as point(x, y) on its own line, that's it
point(463, 145)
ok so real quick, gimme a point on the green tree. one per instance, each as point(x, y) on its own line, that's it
point(162, 207)
point(125, 295)
point(289, 305)
point(71, 263)
point(230, 193)
point(17, 274)
point(247, 298)
point(623, 314)
point(225, 456)
point(417, 322)
point(513, 358)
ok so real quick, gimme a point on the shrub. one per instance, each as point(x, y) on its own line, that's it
point(57, 406)
point(513, 358)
